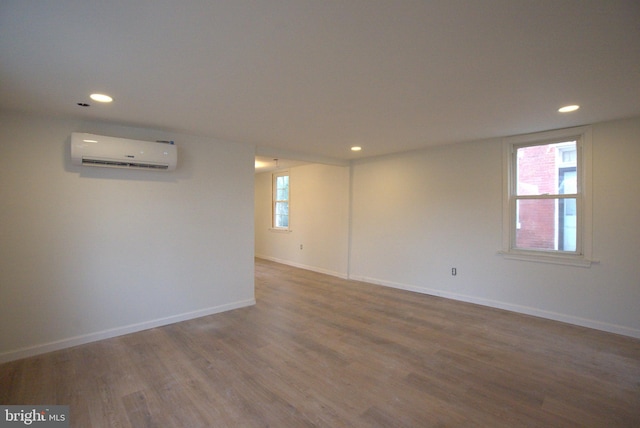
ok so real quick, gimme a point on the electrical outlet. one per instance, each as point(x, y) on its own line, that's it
point(301, 246)
point(454, 271)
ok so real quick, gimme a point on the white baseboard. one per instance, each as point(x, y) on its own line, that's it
point(569, 319)
point(555, 316)
point(303, 266)
point(118, 331)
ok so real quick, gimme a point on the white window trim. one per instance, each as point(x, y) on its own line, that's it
point(273, 227)
point(585, 258)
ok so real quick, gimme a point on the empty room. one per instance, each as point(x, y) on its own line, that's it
point(287, 213)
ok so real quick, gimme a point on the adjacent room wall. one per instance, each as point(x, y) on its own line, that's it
point(318, 219)
point(89, 253)
point(417, 215)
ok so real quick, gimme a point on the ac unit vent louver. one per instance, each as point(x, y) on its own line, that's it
point(97, 150)
point(116, 164)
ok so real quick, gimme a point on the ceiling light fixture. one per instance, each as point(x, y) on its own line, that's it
point(101, 98)
point(567, 109)
point(356, 148)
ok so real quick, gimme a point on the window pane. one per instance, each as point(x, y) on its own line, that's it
point(567, 225)
point(282, 214)
point(538, 166)
point(282, 181)
point(281, 200)
point(546, 224)
point(282, 188)
point(568, 181)
point(570, 156)
point(282, 194)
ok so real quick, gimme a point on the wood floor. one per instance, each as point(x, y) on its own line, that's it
point(321, 351)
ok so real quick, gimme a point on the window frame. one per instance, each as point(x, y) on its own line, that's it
point(274, 201)
point(583, 254)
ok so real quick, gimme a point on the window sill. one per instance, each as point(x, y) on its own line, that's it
point(558, 259)
point(276, 230)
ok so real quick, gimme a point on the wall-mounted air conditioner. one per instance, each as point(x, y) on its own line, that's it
point(98, 150)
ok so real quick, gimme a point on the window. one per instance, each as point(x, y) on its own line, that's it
point(547, 203)
point(280, 208)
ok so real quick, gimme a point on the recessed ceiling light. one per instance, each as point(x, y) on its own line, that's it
point(356, 148)
point(567, 109)
point(101, 98)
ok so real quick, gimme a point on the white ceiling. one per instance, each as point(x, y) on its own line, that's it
point(318, 76)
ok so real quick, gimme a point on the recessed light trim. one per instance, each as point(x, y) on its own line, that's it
point(356, 148)
point(568, 109)
point(101, 98)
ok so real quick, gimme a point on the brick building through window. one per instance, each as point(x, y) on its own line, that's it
point(545, 220)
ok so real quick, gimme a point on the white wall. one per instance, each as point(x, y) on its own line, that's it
point(417, 215)
point(88, 253)
point(319, 219)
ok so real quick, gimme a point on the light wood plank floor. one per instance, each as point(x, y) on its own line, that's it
point(321, 351)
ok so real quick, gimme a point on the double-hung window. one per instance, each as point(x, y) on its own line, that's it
point(547, 199)
point(280, 201)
